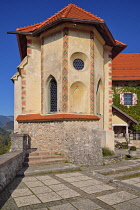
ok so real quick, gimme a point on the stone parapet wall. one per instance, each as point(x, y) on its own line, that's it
point(19, 142)
point(10, 164)
point(77, 141)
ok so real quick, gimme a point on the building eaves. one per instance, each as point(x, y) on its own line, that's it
point(125, 115)
point(55, 117)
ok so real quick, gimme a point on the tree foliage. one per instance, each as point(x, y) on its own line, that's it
point(5, 141)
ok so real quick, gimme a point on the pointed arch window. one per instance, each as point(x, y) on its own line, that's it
point(99, 98)
point(53, 95)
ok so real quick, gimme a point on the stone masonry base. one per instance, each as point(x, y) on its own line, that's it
point(77, 141)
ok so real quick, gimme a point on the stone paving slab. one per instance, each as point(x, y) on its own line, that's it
point(69, 175)
point(58, 187)
point(85, 183)
point(43, 189)
point(91, 189)
point(26, 200)
point(66, 206)
point(135, 202)
point(50, 182)
point(126, 206)
point(20, 192)
point(137, 185)
point(48, 197)
point(84, 204)
point(34, 184)
point(68, 193)
point(42, 209)
point(29, 179)
point(117, 197)
point(57, 191)
point(44, 177)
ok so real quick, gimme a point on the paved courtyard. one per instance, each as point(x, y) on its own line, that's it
point(72, 190)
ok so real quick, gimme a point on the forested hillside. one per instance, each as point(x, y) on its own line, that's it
point(6, 128)
point(5, 142)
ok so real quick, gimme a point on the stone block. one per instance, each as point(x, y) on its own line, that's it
point(26, 200)
point(118, 197)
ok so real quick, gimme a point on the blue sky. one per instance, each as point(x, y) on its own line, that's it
point(122, 18)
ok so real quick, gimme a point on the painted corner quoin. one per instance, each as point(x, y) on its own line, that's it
point(65, 71)
point(29, 49)
point(42, 74)
point(91, 72)
point(23, 90)
point(110, 89)
point(23, 78)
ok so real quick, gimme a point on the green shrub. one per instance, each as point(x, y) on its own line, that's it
point(107, 152)
point(124, 145)
point(133, 148)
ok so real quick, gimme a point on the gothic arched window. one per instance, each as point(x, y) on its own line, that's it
point(53, 95)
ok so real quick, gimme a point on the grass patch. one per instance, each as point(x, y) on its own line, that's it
point(129, 176)
point(107, 152)
point(121, 171)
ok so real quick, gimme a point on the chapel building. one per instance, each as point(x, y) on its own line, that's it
point(63, 87)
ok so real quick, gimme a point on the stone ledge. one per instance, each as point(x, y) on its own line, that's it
point(8, 157)
point(112, 159)
point(10, 164)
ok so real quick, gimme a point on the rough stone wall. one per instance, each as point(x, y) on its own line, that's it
point(10, 164)
point(78, 141)
point(19, 142)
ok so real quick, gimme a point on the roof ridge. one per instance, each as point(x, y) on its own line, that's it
point(68, 10)
point(88, 13)
point(53, 16)
point(60, 14)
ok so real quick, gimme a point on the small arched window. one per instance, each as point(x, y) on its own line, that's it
point(53, 95)
point(99, 98)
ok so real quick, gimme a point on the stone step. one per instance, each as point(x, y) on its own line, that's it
point(44, 161)
point(40, 152)
point(49, 168)
point(41, 157)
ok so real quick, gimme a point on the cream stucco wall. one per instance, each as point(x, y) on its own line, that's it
point(17, 101)
point(53, 45)
point(117, 120)
point(33, 78)
point(79, 47)
point(98, 71)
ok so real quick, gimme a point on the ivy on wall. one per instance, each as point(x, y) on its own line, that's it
point(133, 110)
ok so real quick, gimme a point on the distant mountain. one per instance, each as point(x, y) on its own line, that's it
point(5, 119)
point(9, 126)
point(4, 132)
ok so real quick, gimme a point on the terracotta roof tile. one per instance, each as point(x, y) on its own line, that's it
point(126, 66)
point(70, 11)
point(120, 43)
point(54, 117)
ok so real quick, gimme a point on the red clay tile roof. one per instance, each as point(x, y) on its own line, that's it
point(119, 43)
point(70, 11)
point(54, 117)
point(126, 66)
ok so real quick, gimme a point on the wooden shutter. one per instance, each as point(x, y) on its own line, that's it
point(134, 99)
point(122, 99)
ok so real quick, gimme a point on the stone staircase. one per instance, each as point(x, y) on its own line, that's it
point(42, 158)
